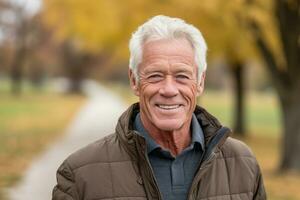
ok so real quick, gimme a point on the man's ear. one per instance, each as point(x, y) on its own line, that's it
point(200, 85)
point(133, 83)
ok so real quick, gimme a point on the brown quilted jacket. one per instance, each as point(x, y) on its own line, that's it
point(116, 167)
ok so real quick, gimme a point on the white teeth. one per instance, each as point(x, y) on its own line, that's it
point(168, 107)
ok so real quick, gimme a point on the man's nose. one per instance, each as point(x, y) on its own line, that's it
point(168, 88)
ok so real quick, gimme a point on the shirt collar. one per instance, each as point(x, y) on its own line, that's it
point(197, 133)
point(138, 126)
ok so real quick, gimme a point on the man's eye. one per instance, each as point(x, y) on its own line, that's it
point(155, 77)
point(182, 76)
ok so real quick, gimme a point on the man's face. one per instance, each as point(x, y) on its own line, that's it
point(168, 86)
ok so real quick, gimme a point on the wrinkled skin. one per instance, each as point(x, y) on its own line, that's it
point(167, 90)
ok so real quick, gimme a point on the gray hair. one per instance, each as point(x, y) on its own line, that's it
point(164, 27)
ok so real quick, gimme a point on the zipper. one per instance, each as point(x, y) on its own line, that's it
point(206, 157)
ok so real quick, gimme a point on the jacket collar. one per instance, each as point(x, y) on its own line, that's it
point(196, 134)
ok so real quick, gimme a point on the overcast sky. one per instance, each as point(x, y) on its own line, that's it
point(31, 6)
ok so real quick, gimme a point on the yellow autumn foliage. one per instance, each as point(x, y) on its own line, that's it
point(106, 25)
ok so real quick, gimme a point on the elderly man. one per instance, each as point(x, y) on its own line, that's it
point(165, 146)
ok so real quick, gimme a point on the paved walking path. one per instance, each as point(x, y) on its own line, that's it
point(96, 118)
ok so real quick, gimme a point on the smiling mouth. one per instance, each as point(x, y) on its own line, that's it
point(168, 107)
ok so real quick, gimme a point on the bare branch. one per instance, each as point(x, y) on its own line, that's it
point(280, 77)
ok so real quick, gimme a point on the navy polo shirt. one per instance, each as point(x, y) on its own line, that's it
point(174, 175)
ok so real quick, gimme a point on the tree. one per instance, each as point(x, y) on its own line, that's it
point(17, 30)
point(19, 56)
point(285, 75)
point(88, 31)
point(76, 64)
point(237, 69)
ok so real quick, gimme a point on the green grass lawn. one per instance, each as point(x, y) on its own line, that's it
point(28, 123)
point(262, 111)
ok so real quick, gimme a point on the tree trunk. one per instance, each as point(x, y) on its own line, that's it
point(76, 65)
point(75, 85)
point(288, 16)
point(19, 57)
point(239, 114)
point(290, 106)
point(16, 80)
point(17, 71)
point(76, 74)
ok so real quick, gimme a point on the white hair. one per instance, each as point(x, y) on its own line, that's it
point(164, 27)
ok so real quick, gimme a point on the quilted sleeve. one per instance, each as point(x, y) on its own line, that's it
point(65, 188)
point(259, 193)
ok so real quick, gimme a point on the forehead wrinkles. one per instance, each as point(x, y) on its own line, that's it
point(181, 61)
point(180, 57)
point(168, 47)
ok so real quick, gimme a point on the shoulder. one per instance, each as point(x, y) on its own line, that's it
point(239, 159)
point(105, 150)
point(241, 165)
point(236, 148)
point(237, 154)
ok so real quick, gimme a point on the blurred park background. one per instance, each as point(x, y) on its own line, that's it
point(49, 47)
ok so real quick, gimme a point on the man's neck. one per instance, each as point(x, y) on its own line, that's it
point(174, 141)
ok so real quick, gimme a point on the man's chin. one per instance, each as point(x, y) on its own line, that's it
point(168, 126)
